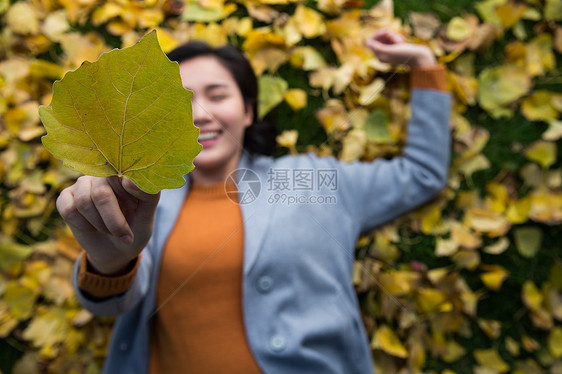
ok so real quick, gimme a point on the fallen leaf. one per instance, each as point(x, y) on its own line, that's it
point(494, 276)
point(500, 86)
point(498, 247)
point(542, 152)
point(386, 340)
point(296, 98)
point(490, 358)
point(555, 342)
point(492, 328)
point(538, 106)
point(271, 93)
point(553, 10)
point(22, 18)
point(425, 25)
point(103, 120)
point(528, 240)
point(531, 295)
point(554, 131)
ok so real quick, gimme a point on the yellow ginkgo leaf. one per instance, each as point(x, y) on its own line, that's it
point(271, 92)
point(466, 259)
point(458, 29)
point(465, 237)
point(307, 58)
point(492, 328)
point(542, 152)
point(288, 138)
point(446, 247)
point(430, 299)
point(487, 10)
point(353, 147)
point(48, 328)
point(554, 131)
point(555, 342)
point(510, 13)
point(386, 340)
point(512, 346)
point(498, 247)
point(486, 221)
point(490, 358)
point(296, 98)
point(494, 277)
point(546, 207)
point(539, 55)
point(538, 106)
point(553, 10)
point(399, 282)
point(20, 300)
point(309, 21)
point(500, 86)
point(454, 351)
point(531, 295)
point(518, 211)
point(529, 344)
point(22, 18)
point(371, 92)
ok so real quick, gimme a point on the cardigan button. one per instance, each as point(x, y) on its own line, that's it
point(265, 283)
point(278, 343)
point(124, 346)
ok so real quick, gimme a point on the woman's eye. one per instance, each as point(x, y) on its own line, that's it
point(218, 97)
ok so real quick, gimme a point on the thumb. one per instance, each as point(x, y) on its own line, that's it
point(146, 202)
point(136, 192)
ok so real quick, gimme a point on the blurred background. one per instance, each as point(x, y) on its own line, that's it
point(469, 283)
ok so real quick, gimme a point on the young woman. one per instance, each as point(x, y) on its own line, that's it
point(202, 285)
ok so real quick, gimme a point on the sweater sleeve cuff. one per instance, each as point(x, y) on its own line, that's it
point(100, 286)
point(431, 77)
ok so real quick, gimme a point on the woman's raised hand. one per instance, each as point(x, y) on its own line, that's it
point(390, 47)
point(112, 219)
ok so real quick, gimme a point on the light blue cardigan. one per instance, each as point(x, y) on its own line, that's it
point(299, 305)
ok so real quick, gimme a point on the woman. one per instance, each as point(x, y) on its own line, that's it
point(263, 286)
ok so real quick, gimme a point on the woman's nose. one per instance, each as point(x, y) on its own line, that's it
point(200, 113)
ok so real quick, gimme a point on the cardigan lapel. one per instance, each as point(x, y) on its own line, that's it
point(255, 216)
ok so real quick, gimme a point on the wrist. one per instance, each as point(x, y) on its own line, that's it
point(424, 59)
point(115, 269)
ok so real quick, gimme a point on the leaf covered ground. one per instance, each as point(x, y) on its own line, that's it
point(469, 283)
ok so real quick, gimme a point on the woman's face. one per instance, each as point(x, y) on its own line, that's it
point(218, 111)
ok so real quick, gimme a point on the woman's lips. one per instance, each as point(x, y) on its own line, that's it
point(208, 138)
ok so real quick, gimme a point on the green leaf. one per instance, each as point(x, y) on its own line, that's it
point(376, 127)
point(12, 253)
point(126, 114)
point(271, 93)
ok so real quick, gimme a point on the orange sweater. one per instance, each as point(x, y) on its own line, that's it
point(198, 326)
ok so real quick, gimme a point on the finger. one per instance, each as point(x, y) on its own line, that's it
point(146, 202)
point(68, 211)
point(127, 202)
point(387, 37)
point(105, 200)
point(82, 191)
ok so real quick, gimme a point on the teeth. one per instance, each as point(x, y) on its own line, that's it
point(208, 135)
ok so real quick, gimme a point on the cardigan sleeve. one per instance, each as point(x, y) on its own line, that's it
point(379, 191)
point(113, 304)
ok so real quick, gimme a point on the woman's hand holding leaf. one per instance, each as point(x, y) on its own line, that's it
point(112, 219)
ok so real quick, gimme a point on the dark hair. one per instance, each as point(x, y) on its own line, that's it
point(259, 137)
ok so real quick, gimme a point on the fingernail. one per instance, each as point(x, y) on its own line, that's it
point(126, 239)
